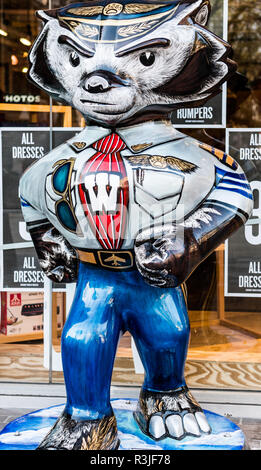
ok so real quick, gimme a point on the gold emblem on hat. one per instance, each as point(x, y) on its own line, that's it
point(140, 8)
point(113, 9)
point(135, 28)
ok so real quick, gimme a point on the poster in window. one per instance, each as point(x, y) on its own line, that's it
point(213, 113)
point(21, 147)
point(243, 249)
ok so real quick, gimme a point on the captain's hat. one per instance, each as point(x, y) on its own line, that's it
point(105, 22)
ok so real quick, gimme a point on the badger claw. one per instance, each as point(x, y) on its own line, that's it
point(191, 425)
point(157, 427)
point(202, 422)
point(174, 426)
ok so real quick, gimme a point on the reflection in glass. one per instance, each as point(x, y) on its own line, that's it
point(225, 343)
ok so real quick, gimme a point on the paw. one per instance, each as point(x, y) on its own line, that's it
point(69, 434)
point(177, 425)
point(161, 255)
point(151, 264)
point(174, 414)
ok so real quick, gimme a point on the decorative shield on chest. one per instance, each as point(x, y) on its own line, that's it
point(104, 192)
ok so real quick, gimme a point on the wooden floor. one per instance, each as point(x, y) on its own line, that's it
point(218, 357)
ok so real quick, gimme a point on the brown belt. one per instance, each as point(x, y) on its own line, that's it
point(109, 259)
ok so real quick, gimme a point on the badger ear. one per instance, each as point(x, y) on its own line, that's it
point(39, 72)
point(201, 16)
point(46, 15)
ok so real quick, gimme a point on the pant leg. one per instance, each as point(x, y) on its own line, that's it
point(158, 321)
point(89, 343)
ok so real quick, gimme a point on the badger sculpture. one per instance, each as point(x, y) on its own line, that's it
point(130, 206)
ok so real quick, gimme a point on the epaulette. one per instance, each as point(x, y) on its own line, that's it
point(222, 156)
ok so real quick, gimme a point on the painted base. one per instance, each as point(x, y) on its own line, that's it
point(26, 432)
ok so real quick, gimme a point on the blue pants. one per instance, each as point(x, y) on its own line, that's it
point(106, 304)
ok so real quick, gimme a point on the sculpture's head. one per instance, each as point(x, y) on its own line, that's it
point(116, 61)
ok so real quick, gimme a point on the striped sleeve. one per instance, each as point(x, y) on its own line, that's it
point(233, 191)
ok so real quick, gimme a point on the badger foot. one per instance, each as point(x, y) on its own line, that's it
point(174, 414)
point(69, 434)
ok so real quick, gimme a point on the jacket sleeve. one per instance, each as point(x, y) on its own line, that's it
point(227, 207)
point(166, 256)
point(56, 256)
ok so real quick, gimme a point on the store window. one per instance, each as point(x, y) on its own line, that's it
point(224, 293)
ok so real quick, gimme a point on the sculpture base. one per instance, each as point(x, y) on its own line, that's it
point(26, 432)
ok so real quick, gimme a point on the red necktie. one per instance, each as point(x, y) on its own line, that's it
point(104, 192)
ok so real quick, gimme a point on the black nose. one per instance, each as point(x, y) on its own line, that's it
point(97, 84)
point(101, 81)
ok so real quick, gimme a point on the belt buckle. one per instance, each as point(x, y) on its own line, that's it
point(115, 259)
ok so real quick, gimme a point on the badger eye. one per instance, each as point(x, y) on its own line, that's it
point(74, 59)
point(147, 58)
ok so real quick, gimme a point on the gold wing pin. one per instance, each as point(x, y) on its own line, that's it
point(140, 8)
point(161, 162)
point(86, 11)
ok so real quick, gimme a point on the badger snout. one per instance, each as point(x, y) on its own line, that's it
point(105, 95)
point(103, 81)
point(96, 84)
